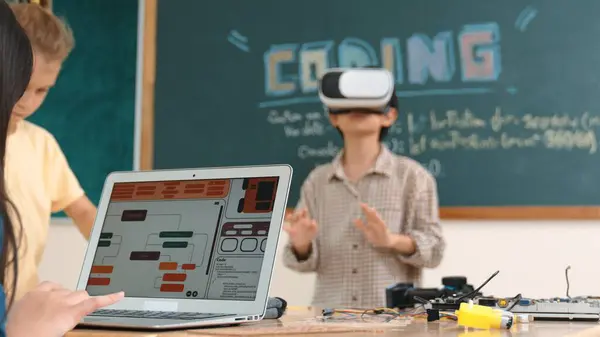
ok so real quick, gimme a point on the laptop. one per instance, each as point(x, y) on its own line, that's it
point(189, 248)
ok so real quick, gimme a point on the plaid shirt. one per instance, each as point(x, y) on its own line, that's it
point(350, 272)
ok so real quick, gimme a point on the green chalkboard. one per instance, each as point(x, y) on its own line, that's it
point(498, 99)
point(91, 109)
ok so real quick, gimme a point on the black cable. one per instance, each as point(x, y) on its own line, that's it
point(422, 303)
point(421, 299)
point(515, 300)
point(567, 277)
point(481, 286)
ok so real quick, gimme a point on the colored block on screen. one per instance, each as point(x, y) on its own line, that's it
point(188, 266)
point(104, 243)
point(174, 277)
point(134, 215)
point(144, 256)
point(167, 266)
point(180, 234)
point(99, 281)
point(175, 244)
point(171, 288)
point(106, 235)
point(102, 269)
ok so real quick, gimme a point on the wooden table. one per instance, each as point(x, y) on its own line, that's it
point(299, 317)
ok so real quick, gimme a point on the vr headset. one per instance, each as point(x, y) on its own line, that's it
point(368, 90)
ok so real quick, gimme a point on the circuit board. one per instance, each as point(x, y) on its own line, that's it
point(554, 309)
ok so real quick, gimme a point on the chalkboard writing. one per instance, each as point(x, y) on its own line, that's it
point(498, 100)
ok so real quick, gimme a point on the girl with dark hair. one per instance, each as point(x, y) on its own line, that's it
point(48, 310)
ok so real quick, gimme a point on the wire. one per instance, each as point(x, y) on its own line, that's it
point(385, 314)
point(381, 311)
point(481, 286)
point(567, 278)
point(515, 300)
point(421, 300)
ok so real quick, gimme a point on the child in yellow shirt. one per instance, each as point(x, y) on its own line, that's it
point(38, 177)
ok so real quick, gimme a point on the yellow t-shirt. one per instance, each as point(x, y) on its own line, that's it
point(39, 181)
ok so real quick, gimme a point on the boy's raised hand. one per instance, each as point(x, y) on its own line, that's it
point(374, 228)
point(50, 310)
point(301, 229)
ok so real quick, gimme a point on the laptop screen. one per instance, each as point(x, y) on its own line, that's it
point(202, 239)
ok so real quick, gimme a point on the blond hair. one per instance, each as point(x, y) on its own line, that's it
point(50, 35)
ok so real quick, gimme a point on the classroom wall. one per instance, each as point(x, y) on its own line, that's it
point(531, 257)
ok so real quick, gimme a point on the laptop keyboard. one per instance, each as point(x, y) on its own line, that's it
point(153, 314)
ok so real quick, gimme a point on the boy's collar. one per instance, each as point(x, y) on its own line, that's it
point(383, 165)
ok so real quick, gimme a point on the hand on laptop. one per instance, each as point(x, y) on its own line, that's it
point(302, 231)
point(51, 310)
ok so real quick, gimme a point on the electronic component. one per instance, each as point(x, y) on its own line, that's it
point(489, 301)
point(433, 315)
point(559, 310)
point(555, 309)
point(471, 315)
point(453, 302)
point(402, 295)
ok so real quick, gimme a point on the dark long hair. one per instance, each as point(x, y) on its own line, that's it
point(16, 64)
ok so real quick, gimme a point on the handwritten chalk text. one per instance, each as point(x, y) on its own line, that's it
point(294, 68)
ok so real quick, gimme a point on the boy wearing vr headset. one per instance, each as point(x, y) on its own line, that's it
point(369, 219)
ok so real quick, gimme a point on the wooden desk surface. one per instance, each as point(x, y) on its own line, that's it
point(297, 319)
